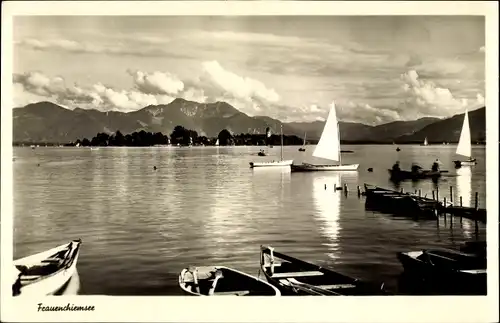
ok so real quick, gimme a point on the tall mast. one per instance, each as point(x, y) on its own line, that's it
point(338, 136)
point(281, 126)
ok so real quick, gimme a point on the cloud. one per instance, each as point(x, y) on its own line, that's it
point(244, 88)
point(480, 99)
point(143, 47)
point(430, 99)
point(157, 82)
point(152, 88)
point(365, 113)
point(97, 96)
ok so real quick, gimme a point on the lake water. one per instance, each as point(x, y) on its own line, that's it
point(205, 206)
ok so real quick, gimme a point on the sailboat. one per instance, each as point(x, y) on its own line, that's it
point(274, 163)
point(328, 148)
point(425, 142)
point(304, 143)
point(217, 142)
point(464, 145)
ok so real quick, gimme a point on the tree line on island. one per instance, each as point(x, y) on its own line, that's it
point(181, 136)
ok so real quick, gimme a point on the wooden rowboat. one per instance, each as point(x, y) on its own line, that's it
point(449, 270)
point(296, 277)
point(47, 272)
point(221, 281)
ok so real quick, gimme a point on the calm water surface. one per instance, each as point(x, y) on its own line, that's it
point(205, 206)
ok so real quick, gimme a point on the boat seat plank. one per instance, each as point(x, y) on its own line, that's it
point(336, 286)
point(297, 274)
point(238, 293)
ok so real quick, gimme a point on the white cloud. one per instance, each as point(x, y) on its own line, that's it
point(430, 99)
point(238, 87)
point(480, 99)
point(157, 82)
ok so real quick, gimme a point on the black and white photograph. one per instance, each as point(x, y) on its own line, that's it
point(252, 154)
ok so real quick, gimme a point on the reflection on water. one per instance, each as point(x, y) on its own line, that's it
point(204, 206)
point(327, 203)
point(464, 186)
point(464, 190)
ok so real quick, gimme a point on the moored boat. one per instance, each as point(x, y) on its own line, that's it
point(297, 277)
point(446, 270)
point(274, 163)
point(223, 281)
point(47, 272)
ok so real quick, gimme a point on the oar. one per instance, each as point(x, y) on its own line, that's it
point(218, 275)
point(312, 287)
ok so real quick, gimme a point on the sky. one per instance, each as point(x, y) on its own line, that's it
point(376, 69)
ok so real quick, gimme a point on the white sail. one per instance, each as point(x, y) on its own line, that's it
point(217, 142)
point(425, 141)
point(464, 143)
point(329, 144)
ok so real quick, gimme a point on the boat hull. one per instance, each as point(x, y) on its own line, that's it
point(445, 272)
point(323, 168)
point(293, 276)
point(405, 175)
point(233, 283)
point(280, 163)
point(53, 282)
point(460, 163)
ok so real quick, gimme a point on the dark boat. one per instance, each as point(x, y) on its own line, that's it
point(346, 151)
point(460, 163)
point(389, 201)
point(220, 280)
point(448, 271)
point(401, 175)
point(261, 153)
point(474, 247)
point(302, 149)
point(293, 276)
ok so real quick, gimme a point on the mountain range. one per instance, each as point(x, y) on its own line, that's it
point(46, 122)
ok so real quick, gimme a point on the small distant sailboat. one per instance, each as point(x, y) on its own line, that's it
point(464, 147)
point(217, 142)
point(274, 163)
point(328, 148)
point(304, 143)
point(425, 142)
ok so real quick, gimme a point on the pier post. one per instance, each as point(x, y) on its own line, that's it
point(460, 201)
point(325, 186)
point(433, 195)
point(476, 201)
point(335, 187)
point(346, 189)
point(419, 193)
point(359, 191)
point(437, 193)
point(451, 194)
point(402, 190)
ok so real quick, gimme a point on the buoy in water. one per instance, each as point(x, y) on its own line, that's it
point(370, 169)
point(154, 167)
point(397, 149)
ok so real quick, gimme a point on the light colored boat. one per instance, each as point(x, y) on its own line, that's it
point(223, 281)
point(328, 148)
point(47, 272)
point(464, 147)
point(425, 142)
point(274, 163)
point(303, 148)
